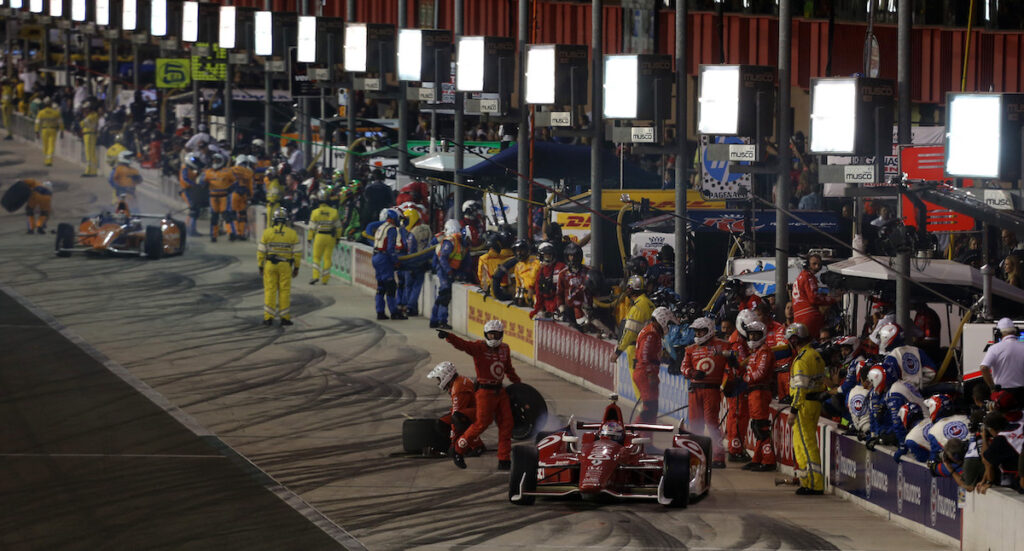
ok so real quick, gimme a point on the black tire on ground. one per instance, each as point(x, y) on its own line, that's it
point(183, 232)
point(421, 435)
point(16, 196)
point(705, 444)
point(676, 478)
point(154, 245)
point(529, 410)
point(523, 476)
point(65, 239)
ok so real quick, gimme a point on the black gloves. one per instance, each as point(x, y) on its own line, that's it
point(870, 443)
point(441, 334)
point(698, 375)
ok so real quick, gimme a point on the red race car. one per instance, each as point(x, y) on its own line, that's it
point(609, 458)
point(148, 235)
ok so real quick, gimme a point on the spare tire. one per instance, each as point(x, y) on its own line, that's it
point(424, 435)
point(529, 410)
point(182, 232)
point(65, 239)
point(16, 196)
point(154, 244)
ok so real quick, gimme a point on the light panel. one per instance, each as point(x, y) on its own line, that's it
point(410, 54)
point(307, 39)
point(974, 134)
point(540, 74)
point(129, 15)
point(226, 34)
point(17, 4)
point(355, 48)
point(264, 33)
point(35, 6)
point(620, 86)
point(190, 22)
point(56, 8)
point(719, 99)
point(834, 116)
point(469, 71)
point(102, 12)
point(158, 18)
point(78, 10)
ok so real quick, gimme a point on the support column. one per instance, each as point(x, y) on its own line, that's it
point(682, 155)
point(268, 94)
point(460, 122)
point(67, 58)
point(522, 207)
point(111, 74)
point(905, 13)
point(598, 227)
point(403, 103)
point(303, 118)
point(350, 110)
point(782, 191)
point(135, 66)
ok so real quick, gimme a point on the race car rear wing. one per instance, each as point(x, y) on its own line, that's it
point(634, 427)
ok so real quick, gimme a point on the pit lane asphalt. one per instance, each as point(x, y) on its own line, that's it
point(318, 407)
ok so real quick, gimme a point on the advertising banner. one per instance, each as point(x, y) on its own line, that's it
point(212, 68)
point(363, 273)
point(518, 325)
point(648, 243)
point(927, 163)
point(734, 221)
point(576, 353)
point(663, 199)
point(906, 489)
point(717, 181)
point(173, 73)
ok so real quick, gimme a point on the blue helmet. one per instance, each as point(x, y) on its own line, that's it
point(390, 214)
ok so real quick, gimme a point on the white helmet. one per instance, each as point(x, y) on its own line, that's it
point(445, 373)
point(744, 319)
point(494, 326)
point(703, 323)
point(797, 330)
point(452, 227)
point(241, 160)
point(889, 336)
point(755, 327)
point(635, 283)
point(253, 159)
point(471, 205)
point(664, 317)
point(612, 430)
point(258, 143)
point(876, 378)
point(125, 157)
point(850, 341)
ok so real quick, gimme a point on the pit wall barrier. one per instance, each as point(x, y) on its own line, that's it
point(904, 492)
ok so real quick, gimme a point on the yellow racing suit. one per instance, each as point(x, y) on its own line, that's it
point(90, 125)
point(525, 275)
point(48, 122)
point(324, 232)
point(807, 378)
point(488, 264)
point(638, 316)
point(278, 255)
point(7, 100)
point(274, 191)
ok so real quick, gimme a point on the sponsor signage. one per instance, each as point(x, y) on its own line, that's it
point(718, 181)
point(858, 174)
point(742, 152)
point(209, 62)
point(906, 489)
point(561, 118)
point(425, 94)
point(642, 134)
point(927, 163)
point(173, 73)
point(576, 353)
point(518, 325)
point(490, 106)
point(363, 273)
point(611, 199)
point(735, 221)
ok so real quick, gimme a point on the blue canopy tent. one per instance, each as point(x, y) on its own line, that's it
point(554, 161)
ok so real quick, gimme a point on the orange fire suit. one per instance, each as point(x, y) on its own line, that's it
point(38, 203)
point(492, 366)
point(124, 179)
point(738, 418)
point(808, 303)
point(463, 411)
point(220, 183)
point(240, 194)
point(759, 376)
point(704, 366)
point(647, 370)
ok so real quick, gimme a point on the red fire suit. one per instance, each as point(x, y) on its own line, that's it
point(758, 376)
point(738, 418)
point(648, 366)
point(776, 339)
point(492, 366)
point(807, 301)
point(463, 412)
point(545, 290)
point(705, 393)
point(572, 292)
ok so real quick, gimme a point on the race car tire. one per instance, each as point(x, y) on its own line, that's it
point(529, 410)
point(523, 476)
point(65, 239)
point(16, 196)
point(183, 232)
point(154, 244)
point(422, 435)
point(676, 478)
point(705, 444)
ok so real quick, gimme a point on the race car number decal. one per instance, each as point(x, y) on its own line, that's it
point(598, 457)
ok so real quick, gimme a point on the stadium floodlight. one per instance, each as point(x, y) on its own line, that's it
point(306, 52)
point(78, 10)
point(484, 64)
point(190, 22)
point(158, 18)
point(226, 29)
point(56, 8)
point(417, 53)
point(728, 100)
point(369, 47)
point(983, 135)
point(355, 47)
point(540, 73)
point(35, 6)
point(264, 33)
point(851, 115)
point(102, 12)
point(129, 15)
point(620, 86)
point(469, 69)
point(637, 86)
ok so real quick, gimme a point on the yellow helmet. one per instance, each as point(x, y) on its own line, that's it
point(412, 217)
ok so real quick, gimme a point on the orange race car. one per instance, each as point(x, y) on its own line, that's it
point(148, 235)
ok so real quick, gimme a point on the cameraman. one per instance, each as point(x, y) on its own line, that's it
point(1003, 364)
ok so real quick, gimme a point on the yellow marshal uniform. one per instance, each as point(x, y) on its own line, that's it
point(278, 254)
point(807, 377)
point(48, 122)
point(90, 125)
point(324, 232)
